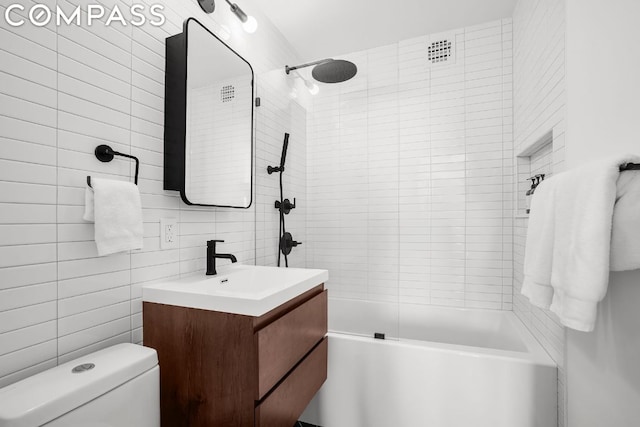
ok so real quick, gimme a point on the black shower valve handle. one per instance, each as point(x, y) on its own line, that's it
point(287, 243)
point(289, 205)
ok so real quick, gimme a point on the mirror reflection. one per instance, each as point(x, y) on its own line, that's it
point(219, 118)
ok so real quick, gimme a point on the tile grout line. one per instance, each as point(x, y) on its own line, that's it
point(57, 199)
point(130, 166)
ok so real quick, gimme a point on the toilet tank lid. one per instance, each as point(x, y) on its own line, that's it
point(48, 395)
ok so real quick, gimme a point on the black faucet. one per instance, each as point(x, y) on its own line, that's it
point(212, 255)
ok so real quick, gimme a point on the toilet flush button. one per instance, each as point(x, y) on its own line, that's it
point(83, 368)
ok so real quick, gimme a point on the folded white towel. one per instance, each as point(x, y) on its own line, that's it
point(625, 236)
point(116, 209)
point(567, 254)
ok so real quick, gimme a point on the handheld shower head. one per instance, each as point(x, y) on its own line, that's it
point(283, 157)
point(285, 145)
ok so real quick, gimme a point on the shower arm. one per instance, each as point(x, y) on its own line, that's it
point(288, 69)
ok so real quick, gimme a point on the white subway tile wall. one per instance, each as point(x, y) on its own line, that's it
point(539, 94)
point(410, 173)
point(66, 89)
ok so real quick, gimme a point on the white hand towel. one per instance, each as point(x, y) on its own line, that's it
point(568, 241)
point(625, 236)
point(117, 212)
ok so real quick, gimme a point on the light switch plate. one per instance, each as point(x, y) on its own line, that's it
point(168, 233)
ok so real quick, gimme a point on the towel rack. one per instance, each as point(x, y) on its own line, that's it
point(105, 154)
point(630, 167)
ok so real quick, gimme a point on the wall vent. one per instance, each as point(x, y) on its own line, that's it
point(440, 51)
point(227, 93)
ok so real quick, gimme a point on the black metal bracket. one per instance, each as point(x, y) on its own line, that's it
point(378, 335)
point(630, 167)
point(286, 206)
point(105, 154)
point(537, 179)
point(272, 169)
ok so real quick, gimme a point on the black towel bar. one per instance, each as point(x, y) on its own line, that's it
point(105, 154)
point(630, 167)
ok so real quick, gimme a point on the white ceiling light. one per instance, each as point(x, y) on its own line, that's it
point(249, 23)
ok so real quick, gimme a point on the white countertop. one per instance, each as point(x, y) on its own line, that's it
point(239, 289)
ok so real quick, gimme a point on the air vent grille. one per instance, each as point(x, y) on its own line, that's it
point(440, 51)
point(227, 93)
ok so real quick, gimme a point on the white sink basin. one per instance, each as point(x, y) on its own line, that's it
point(240, 289)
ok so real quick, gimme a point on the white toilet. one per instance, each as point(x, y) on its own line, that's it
point(115, 387)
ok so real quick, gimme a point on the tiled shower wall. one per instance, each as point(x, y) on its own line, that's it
point(410, 173)
point(539, 108)
point(64, 90)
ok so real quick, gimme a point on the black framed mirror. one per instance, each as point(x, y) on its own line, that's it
point(208, 120)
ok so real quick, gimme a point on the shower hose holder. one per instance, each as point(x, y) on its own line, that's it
point(272, 169)
point(285, 206)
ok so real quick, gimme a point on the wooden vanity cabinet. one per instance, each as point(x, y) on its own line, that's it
point(223, 369)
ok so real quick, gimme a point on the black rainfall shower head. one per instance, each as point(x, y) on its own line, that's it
point(329, 70)
point(336, 71)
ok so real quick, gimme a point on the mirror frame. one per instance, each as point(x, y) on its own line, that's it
point(175, 113)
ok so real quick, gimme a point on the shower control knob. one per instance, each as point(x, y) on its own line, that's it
point(287, 243)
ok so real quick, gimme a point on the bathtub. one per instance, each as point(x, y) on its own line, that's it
point(437, 367)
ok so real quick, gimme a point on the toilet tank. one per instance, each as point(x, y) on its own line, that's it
point(115, 387)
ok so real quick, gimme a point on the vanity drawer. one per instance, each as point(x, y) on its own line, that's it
point(284, 342)
point(287, 402)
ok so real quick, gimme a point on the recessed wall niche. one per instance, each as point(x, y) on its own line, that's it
point(536, 158)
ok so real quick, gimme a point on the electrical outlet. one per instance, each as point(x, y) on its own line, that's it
point(168, 233)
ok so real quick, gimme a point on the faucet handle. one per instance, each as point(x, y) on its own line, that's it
point(213, 242)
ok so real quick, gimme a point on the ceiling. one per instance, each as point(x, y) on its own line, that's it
point(323, 28)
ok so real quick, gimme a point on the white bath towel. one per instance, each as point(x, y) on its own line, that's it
point(538, 260)
point(567, 255)
point(116, 209)
point(625, 235)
